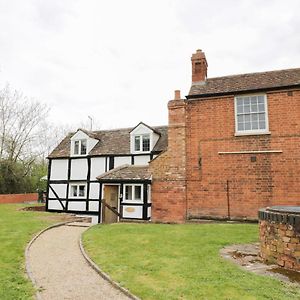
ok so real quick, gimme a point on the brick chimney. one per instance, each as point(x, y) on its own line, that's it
point(168, 190)
point(199, 66)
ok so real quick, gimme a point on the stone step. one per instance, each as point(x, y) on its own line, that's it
point(79, 224)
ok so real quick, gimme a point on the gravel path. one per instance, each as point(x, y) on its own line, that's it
point(60, 270)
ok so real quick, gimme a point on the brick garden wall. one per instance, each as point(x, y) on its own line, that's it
point(255, 180)
point(280, 244)
point(18, 198)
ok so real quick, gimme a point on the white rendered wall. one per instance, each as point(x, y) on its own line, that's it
point(60, 190)
point(94, 190)
point(122, 160)
point(132, 211)
point(97, 167)
point(79, 168)
point(55, 204)
point(149, 193)
point(59, 169)
point(141, 129)
point(141, 160)
point(93, 206)
point(77, 205)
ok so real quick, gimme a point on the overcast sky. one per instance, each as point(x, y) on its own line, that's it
point(120, 61)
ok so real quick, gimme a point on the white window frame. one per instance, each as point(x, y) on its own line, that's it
point(77, 186)
point(141, 143)
point(80, 143)
point(133, 194)
point(256, 131)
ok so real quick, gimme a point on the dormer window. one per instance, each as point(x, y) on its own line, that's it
point(80, 147)
point(143, 139)
point(142, 143)
point(82, 143)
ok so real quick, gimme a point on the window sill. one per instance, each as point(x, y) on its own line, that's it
point(252, 133)
point(141, 152)
point(128, 202)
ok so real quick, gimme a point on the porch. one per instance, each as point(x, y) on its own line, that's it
point(125, 194)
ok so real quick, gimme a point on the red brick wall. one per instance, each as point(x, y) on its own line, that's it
point(191, 179)
point(169, 170)
point(271, 180)
point(18, 198)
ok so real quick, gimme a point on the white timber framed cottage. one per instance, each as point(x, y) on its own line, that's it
point(105, 173)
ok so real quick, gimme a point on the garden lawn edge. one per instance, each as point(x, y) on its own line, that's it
point(101, 272)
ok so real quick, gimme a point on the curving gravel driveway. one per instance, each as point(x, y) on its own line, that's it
point(61, 272)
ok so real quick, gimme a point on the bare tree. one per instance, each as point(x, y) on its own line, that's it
point(20, 120)
point(50, 136)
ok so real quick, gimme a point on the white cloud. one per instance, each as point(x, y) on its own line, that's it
point(121, 60)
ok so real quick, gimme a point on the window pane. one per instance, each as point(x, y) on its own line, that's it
point(261, 103)
point(261, 117)
point(240, 109)
point(241, 126)
point(83, 147)
point(254, 106)
point(261, 99)
point(247, 118)
point(240, 119)
point(254, 117)
point(239, 101)
point(128, 192)
point(138, 192)
point(255, 125)
point(146, 143)
point(261, 107)
point(248, 126)
point(74, 190)
point(246, 101)
point(262, 125)
point(253, 99)
point(247, 108)
point(76, 147)
point(137, 143)
point(81, 190)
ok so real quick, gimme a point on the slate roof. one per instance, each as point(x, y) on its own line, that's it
point(115, 142)
point(126, 172)
point(246, 82)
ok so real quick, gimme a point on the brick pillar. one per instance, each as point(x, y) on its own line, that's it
point(169, 169)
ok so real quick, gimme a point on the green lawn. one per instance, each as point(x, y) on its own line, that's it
point(16, 229)
point(157, 261)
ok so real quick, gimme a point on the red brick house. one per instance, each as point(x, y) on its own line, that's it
point(233, 146)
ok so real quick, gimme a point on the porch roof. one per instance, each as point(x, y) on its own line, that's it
point(126, 173)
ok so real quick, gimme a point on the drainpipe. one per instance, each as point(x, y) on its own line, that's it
point(228, 199)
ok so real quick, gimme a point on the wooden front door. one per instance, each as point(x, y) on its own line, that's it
point(111, 193)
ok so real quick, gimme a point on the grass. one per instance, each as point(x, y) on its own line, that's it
point(17, 227)
point(156, 261)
